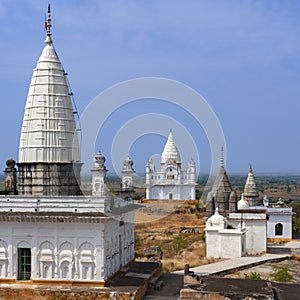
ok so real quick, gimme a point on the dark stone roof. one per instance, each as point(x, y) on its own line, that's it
point(235, 288)
point(222, 182)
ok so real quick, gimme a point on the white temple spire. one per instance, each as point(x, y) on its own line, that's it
point(49, 131)
point(49, 140)
point(170, 151)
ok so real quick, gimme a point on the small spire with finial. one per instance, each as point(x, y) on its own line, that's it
point(222, 157)
point(250, 168)
point(48, 27)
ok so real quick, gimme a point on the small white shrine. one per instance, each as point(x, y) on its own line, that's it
point(224, 242)
point(280, 220)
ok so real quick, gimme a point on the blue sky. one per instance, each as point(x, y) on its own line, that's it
point(243, 57)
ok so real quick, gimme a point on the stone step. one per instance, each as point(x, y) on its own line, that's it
point(279, 250)
point(159, 285)
point(152, 282)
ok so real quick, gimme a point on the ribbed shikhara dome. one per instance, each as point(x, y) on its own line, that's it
point(250, 189)
point(48, 132)
point(170, 151)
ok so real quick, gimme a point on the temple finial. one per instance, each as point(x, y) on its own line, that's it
point(222, 157)
point(250, 168)
point(48, 27)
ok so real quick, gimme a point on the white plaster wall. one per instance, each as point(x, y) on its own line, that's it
point(256, 234)
point(225, 243)
point(119, 244)
point(58, 250)
point(212, 243)
point(285, 220)
point(230, 245)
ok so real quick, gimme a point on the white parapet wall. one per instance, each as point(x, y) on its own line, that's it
point(256, 230)
point(225, 243)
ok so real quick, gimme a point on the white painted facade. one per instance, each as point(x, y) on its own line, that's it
point(170, 182)
point(279, 222)
point(70, 238)
point(222, 242)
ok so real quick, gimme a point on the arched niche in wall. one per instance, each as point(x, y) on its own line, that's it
point(86, 260)
point(278, 229)
point(66, 260)
point(3, 258)
point(46, 260)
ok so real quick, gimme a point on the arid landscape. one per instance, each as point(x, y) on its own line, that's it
point(173, 231)
point(175, 228)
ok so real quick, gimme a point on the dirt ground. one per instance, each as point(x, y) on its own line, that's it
point(177, 227)
point(166, 215)
point(265, 270)
point(156, 210)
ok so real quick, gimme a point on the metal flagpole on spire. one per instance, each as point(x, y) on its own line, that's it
point(222, 157)
point(49, 41)
point(48, 27)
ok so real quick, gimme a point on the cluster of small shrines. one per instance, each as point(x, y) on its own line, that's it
point(236, 228)
point(50, 232)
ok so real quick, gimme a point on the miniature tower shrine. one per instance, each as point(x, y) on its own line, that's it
point(250, 190)
point(222, 196)
point(98, 175)
point(127, 172)
point(10, 177)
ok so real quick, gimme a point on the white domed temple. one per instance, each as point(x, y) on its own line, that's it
point(50, 233)
point(170, 182)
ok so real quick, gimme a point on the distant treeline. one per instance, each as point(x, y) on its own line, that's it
point(235, 180)
point(263, 182)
